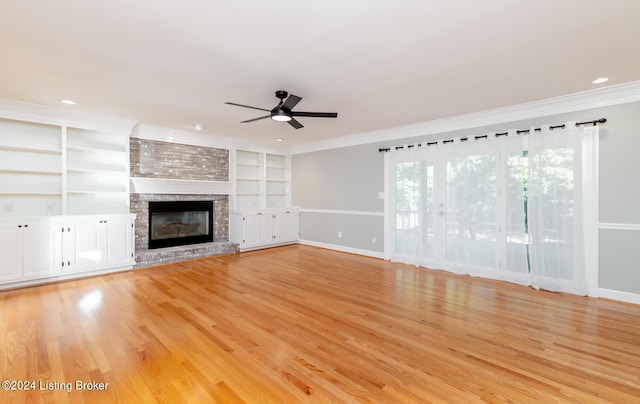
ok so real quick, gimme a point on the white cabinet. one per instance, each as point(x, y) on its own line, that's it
point(11, 253)
point(58, 247)
point(97, 242)
point(253, 229)
point(30, 248)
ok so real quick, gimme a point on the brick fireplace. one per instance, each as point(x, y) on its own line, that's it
point(172, 172)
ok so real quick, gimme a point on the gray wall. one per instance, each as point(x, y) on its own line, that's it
point(350, 178)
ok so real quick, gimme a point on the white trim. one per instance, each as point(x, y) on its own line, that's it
point(388, 207)
point(619, 226)
point(627, 297)
point(343, 212)
point(157, 133)
point(193, 137)
point(603, 97)
point(23, 111)
point(143, 185)
point(341, 248)
point(590, 174)
point(65, 277)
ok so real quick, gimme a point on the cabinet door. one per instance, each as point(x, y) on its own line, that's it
point(88, 251)
point(280, 220)
point(68, 247)
point(11, 253)
point(42, 249)
point(118, 242)
point(292, 226)
point(265, 228)
point(251, 229)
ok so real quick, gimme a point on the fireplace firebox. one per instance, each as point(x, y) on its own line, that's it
point(180, 223)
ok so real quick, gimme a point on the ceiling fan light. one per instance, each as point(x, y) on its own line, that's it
point(280, 116)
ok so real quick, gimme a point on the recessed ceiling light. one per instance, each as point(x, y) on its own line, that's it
point(198, 126)
point(600, 80)
point(280, 139)
point(68, 102)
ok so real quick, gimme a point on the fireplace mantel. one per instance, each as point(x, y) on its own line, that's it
point(144, 185)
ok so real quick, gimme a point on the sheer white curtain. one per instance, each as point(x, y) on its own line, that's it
point(562, 209)
point(518, 207)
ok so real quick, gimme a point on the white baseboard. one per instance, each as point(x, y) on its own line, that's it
point(66, 277)
point(367, 253)
point(626, 297)
point(619, 295)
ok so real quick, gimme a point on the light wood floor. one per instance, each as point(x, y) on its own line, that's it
point(302, 324)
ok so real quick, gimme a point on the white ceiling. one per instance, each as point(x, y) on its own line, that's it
point(379, 64)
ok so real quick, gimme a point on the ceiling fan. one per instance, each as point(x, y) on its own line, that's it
point(283, 111)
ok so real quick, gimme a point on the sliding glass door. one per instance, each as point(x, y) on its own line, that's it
point(414, 223)
point(508, 209)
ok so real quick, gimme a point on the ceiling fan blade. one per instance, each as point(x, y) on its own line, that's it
point(256, 119)
point(247, 106)
point(315, 114)
point(291, 102)
point(295, 124)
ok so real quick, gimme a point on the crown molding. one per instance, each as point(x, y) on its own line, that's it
point(24, 111)
point(162, 134)
point(603, 97)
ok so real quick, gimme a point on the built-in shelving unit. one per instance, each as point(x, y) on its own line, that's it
point(64, 195)
point(249, 179)
point(50, 169)
point(262, 180)
point(97, 172)
point(31, 168)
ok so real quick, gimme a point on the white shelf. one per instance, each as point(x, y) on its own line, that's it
point(96, 192)
point(113, 170)
point(95, 149)
point(35, 193)
point(41, 172)
point(30, 149)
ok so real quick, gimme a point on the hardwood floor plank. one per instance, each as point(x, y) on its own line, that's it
point(308, 325)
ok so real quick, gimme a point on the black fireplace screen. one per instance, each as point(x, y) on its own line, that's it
point(180, 223)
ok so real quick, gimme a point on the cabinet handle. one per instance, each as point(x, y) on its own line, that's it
point(62, 264)
point(68, 263)
point(26, 225)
